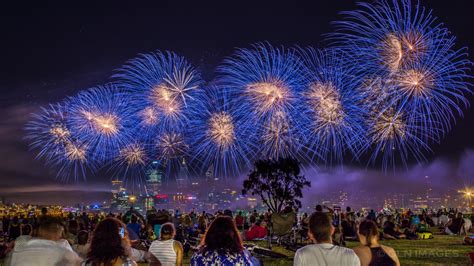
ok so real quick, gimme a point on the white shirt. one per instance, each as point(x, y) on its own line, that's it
point(164, 251)
point(326, 254)
point(43, 252)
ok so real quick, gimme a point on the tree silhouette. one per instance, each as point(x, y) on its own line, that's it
point(277, 182)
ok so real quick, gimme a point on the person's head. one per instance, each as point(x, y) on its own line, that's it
point(258, 222)
point(459, 215)
point(50, 228)
point(319, 208)
point(73, 227)
point(222, 234)
point(27, 230)
point(390, 218)
point(348, 209)
point(320, 227)
point(82, 237)
point(134, 219)
point(167, 231)
point(107, 242)
point(228, 212)
point(44, 211)
point(368, 233)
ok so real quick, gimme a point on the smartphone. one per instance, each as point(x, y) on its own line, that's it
point(122, 232)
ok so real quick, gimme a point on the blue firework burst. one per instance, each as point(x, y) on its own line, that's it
point(332, 109)
point(102, 117)
point(161, 85)
point(266, 81)
point(413, 62)
point(49, 135)
point(221, 139)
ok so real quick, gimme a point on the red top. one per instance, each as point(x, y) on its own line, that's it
point(239, 220)
point(256, 231)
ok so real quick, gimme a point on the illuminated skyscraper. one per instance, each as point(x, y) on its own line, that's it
point(154, 178)
point(182, 180)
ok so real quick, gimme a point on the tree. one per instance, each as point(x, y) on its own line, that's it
point(277, 182)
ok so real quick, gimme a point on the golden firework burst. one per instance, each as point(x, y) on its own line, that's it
point(268, 95)
point(221, 129)
point(133, 154)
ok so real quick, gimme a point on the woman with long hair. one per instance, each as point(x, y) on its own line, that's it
point(110, 245)
point(370, 252)
point(221, 245)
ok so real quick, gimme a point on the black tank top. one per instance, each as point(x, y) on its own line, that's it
point(379, 257)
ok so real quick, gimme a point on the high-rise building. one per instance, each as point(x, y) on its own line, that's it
point(154, 180)
point(119, 196)
point(182, 180)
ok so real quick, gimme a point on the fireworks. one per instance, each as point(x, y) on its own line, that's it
point(49, 135)
point(131, 162)
point(391, 84)
point(161, 86)
point(413, 59)
point(101, 117)
point(221, 139)
point(266, 81)
point(172, 146)
point(333, 112)
point(221, 129)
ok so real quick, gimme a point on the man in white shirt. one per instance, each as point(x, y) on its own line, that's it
point(47, 249)
point(324, 252)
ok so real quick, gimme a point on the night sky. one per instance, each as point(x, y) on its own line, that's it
point(53, 51)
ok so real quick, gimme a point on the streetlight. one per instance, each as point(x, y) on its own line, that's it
point(132, 199)
point(468, 194)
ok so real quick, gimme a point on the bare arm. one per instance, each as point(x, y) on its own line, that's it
point(178, 248)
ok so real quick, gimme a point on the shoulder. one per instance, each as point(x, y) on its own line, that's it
point(360, 249)
point(389, 250)
point(154, 244)
point(177, 244)
point(345, 251)
point(306, 249)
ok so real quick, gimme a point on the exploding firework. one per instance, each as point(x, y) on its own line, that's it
point(51, 138)
point(388, 35)
point(161, 86)
point(102, 118)
point(395, 138)
point(266, 82)
point(131, 162)
point(221, 140)
point(332, 106)
point(398, 46)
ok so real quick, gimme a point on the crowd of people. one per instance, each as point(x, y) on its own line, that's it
point(162, 237)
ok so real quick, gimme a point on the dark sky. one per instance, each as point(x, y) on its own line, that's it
point(52, 51)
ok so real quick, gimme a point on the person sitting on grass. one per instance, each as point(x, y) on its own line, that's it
point(222, 245)
point(370, 252)
point(46, 248)
point(110, 245)
point(323, 252)
point(257, 231)
point(423, 226)
point(390, 231)
point(455, 225)
point(82, 245)
point(167, 250)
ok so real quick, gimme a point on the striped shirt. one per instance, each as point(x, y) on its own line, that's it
point(164, 251)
